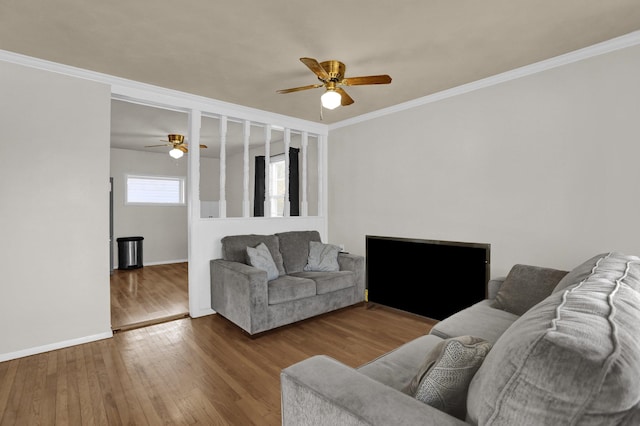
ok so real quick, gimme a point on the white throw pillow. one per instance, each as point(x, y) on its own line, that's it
point(260, 257)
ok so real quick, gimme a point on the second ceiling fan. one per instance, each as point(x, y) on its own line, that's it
point(331, 75)
point(179, 146)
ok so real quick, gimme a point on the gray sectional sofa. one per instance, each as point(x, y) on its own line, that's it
point(244, 295)
point(564, 350)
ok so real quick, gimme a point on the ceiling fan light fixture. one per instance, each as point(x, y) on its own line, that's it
point(331, 99)
point(176, 153)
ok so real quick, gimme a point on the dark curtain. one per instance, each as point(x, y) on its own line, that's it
point(294, 183)
point(258, 188)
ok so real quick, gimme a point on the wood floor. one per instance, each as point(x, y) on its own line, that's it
point(148, 295)
point(204, 370)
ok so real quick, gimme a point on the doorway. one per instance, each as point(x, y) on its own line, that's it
point(157, 291)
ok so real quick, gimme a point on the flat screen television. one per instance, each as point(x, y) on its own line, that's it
point(431, 278)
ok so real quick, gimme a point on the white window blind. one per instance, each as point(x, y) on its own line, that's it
point(158, 190)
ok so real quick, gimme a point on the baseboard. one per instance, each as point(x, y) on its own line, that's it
point(202, 312)
point(53, 346)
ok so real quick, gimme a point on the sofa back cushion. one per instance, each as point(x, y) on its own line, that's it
point(580, 272)
point(572, 359)
point(526, 286)
point(234, 248)
point(294, 246)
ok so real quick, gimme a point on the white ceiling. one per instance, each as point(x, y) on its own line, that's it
point(242, 51)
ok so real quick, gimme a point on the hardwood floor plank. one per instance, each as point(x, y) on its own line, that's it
point(8, 372)
point(145, 295)
point(189, 371)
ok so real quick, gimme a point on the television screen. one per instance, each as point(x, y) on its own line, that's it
point(431, 278)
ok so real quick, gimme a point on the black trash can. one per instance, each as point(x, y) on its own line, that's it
point(130, 252)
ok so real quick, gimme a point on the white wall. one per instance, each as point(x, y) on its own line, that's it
point(544, 168)
point(164, 228)
point(54, 256)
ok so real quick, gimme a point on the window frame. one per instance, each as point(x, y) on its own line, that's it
point(182, 190)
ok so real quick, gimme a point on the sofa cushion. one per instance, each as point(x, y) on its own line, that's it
point(234, 248)
point(443, 379)
point(525, 286)
point(572, 359)
point(480, 320)
point(294, 246)
point(580, 272)
point(326, 282)
point(287, 288)
point(398, 367)
point(260, 257)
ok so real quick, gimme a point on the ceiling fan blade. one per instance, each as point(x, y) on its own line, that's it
point(316, 68)
point(182, 148)
point(153, 146)
point(345, 98)
point(297, 89)
point(370, 79)
point(179, 145)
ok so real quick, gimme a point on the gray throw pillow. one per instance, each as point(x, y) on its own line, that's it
point(260, 257)
point(525, 287)
point(443, 379)
point(574, 358)
point(322, 257)
point(580, 272)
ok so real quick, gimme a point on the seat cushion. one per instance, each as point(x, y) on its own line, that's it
point(480, 320)
point(294, 246)
point(234, 248)
point(398, 367)
point(327, 282)
point(572, 359)
point(287, 288)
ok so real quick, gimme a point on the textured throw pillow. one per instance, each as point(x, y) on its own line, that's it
point(444, 377)
point(260, 257)
point(322, 257)
point(525, 287)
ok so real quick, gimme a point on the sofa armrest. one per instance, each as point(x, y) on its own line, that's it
point(322, 391)
point(239, 292)
point(493, 286)
point(354, 263)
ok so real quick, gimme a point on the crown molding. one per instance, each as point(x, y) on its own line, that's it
point(622, 42)
point(148, 94)
point(135, 91)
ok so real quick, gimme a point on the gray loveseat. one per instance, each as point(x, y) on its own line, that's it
point(571, 358)
point(243, 294)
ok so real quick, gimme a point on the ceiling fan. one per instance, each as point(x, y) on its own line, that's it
point(179, 147)
point(331, 75)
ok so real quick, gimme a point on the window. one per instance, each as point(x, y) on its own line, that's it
point(155, 190)
point(277, 185)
